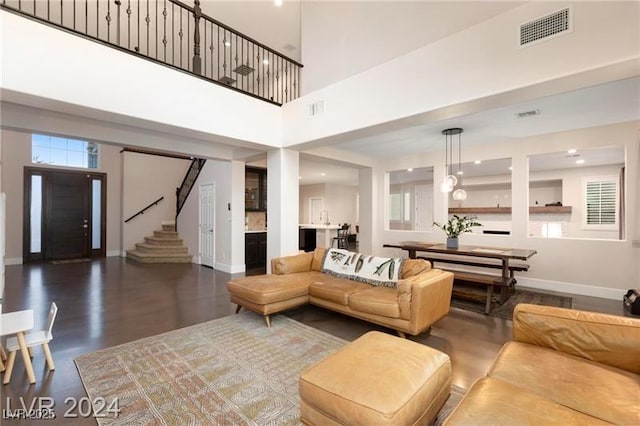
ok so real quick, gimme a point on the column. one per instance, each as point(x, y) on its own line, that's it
point(236, 216)
point(282, 203)
point(366, 210)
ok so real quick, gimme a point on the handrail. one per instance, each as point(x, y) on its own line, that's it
point(145, 209)
point(173, 34)
point(228, 28)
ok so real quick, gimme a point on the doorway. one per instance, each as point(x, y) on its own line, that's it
point(207, 224)
point(316, 206)
point(423, 208)
point(64, 214)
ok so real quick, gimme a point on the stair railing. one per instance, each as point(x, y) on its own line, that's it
point(176, 35)
point(155, 203)
point(190, 178)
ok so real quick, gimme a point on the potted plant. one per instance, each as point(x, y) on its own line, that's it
point(455, 226)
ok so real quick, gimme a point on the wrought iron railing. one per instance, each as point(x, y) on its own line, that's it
point(177, 35)
point(190, 178)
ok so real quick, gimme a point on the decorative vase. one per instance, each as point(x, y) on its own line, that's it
point(452, 243)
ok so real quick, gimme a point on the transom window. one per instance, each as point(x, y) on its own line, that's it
point(61, 151)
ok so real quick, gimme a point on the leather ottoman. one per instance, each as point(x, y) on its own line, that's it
point(376, 379)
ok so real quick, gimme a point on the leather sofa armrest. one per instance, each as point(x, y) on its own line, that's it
point(607, 339)
point(291, 264)
point(430, 298)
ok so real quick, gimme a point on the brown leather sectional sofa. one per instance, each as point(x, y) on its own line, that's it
point(421, 298)
point(563, 367)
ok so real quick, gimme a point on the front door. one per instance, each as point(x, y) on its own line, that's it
point(68, 216)
point(64, 214)
point(207, 228)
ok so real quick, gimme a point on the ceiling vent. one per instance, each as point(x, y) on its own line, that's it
point(545, 27)
point(527, 114)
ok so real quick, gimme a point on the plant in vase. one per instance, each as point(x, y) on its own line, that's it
point(455, 226)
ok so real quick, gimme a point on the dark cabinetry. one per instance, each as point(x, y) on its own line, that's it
point(255, 249)
point(255, 189)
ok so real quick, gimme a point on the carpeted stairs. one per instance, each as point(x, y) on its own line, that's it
point(164, 246)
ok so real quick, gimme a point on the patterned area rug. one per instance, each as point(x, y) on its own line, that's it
point(233, 370)
point(505, 310)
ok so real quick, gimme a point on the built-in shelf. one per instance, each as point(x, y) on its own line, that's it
point(507, 210)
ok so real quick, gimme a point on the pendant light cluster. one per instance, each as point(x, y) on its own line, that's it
point(450, 181)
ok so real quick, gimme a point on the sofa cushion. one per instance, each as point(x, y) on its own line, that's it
point(598, 390)
point(318, 258)
point(413, 267)
point(493, 402)
point(263, 289)
point(379, 271)
point(292, 264)
point(376, 300)
point(336, 290)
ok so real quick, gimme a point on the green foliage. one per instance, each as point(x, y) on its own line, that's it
point(457, 225)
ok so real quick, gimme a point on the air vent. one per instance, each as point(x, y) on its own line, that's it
point(316, 109)
point(244, 70)
point(226, 80)
point(544, 27)
point(527, 114)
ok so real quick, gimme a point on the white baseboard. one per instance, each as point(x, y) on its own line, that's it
point(230, 269)
point(113, 253)
point(13, 261)
point(581, 289)
point(197, 260)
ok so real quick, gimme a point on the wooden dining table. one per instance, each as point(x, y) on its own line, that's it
point(18, 323)
point(476, 256)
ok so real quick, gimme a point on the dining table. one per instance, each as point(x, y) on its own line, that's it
point(18, 323)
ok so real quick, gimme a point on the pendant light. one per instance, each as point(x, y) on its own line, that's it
point(450, 181)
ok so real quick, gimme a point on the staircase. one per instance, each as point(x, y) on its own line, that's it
point(164, 246)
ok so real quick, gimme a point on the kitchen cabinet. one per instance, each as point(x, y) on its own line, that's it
point(255, 189)
point(255, 249)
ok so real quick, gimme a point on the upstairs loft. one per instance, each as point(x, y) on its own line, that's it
point(177, 35)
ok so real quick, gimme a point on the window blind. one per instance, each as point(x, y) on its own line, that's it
point(601, 202)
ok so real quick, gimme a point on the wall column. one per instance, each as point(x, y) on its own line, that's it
point(236, 216)
point(366, 210)
point(282, 203)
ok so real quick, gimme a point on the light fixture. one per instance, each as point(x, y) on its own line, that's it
point(409, 169)
point(278, 2)
point(450, 181)
point(323, 174)
point(580, 161)
point(572, 151)
point(477, 162)
point(510, 167)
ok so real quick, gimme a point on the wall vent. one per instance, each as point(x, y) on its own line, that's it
point(527, 114)
point(545, 27)
point(316, 109)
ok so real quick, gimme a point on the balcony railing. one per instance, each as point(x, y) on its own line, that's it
point(175, 34)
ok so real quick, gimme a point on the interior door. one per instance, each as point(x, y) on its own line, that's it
point(207, 221)
point(316, 205)
point(67, 228)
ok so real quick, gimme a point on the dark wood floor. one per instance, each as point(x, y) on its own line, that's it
point(113, 301)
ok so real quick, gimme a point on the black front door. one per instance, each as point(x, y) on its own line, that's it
point(64, 214)
point(67, 216)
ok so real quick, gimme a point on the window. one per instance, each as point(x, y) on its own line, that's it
point(60, 151)
point(601, 202)
point(410, 199)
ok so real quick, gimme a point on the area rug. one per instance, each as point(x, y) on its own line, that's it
point(233, 371)
point(505, 310)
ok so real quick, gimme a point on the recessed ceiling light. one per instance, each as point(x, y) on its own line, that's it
point(278, 2)
point(510, 167)
point(409, 169)
point(460, 172)
point(477, 162)
point(572, 151)
point(580, 161)
point(227, 43)
point(323, 174)
point(265, 61)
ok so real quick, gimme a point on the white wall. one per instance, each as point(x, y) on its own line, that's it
point(92, 76)
point(602, 268)
point(339, 200)
point(145, 179)
point(16, 154)
point(476, 63)
point(225, 233)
